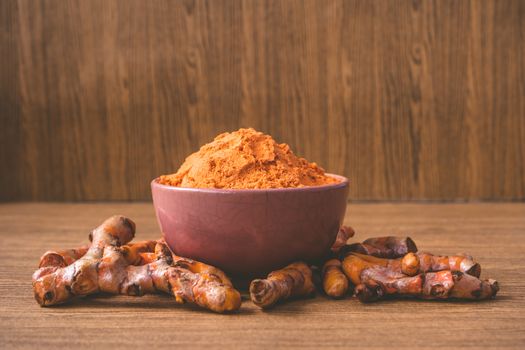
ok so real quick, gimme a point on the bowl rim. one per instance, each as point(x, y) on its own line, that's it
point(343, 182)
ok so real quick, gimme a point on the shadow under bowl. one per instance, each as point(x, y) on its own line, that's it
point(250, 232)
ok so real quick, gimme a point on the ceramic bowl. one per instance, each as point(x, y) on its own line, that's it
point(249, 232)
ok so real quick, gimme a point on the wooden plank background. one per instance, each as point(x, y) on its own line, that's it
point(409, 99)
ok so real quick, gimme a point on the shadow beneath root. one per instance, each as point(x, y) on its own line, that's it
point(150, 301)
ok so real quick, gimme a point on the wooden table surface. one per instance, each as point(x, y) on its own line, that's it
point(493, 233)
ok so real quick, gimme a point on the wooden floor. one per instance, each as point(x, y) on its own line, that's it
point(493, 233)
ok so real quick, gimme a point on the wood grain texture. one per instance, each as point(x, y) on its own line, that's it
point(492, 233)
point(409, 99)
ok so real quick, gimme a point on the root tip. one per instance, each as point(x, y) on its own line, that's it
point(411, 245)
point(494, 286)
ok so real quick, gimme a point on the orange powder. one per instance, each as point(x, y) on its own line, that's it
point(246, 159)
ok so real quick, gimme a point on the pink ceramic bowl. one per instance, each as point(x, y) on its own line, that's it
point(251, 232)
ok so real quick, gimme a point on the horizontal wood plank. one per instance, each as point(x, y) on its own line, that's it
point(493, 233)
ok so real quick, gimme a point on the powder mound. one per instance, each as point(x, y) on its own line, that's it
point(246, 159)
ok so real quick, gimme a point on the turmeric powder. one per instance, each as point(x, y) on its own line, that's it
point(246, 159)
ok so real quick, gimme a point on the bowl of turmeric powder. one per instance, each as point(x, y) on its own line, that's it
point(248, 205)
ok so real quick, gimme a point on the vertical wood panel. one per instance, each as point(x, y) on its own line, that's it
point(10, 128)
point(410, 99)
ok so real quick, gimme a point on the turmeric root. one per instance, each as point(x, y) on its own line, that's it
point(389, 267)
point(105, 268)
point(132, 251)
point(62, 258)
point(386, 282)
point(205, 285)
point(380, 282)
point(205, 290)
point(463, 263)
point(295, 280)
point(471, 287)
point(345, 233)
point(51, 260)
point(383, 247)
point(80, 278)
point(147, 257)
point(335, 283)
point(411, 264)
point(354, 264)
point(201, 268)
